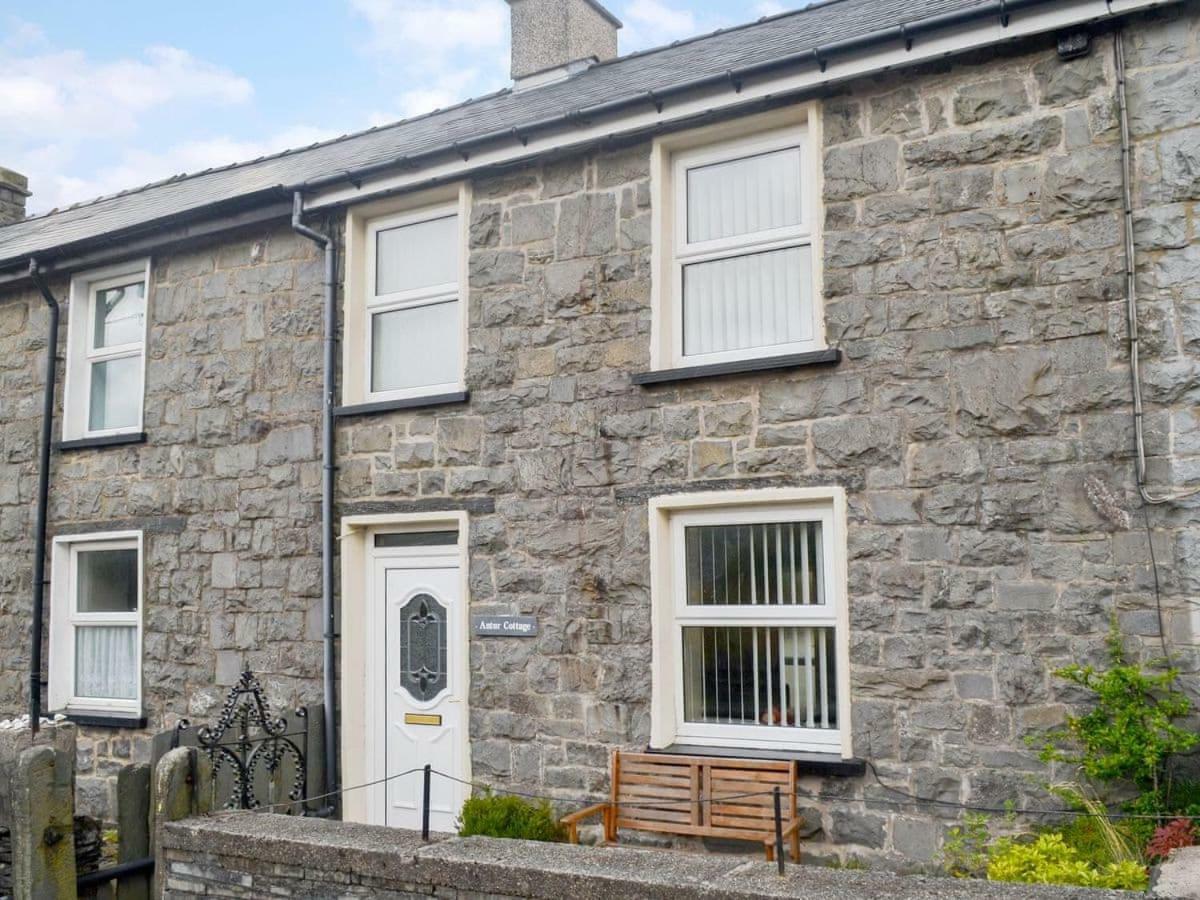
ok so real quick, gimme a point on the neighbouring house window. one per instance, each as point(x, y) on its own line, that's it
point(737, 270)
point(106, 352)
point(752, 636)
point(96, 631)
point(414, 335)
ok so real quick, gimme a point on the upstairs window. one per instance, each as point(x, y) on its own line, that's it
point(96, 632)
point(414, 308)
point(737, 267)
point(106, 352)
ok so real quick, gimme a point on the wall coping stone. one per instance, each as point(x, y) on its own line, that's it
point(495, 866)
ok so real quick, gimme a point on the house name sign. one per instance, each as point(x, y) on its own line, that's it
point(505, 626)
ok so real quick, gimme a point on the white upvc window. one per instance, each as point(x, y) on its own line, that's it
point(96, 624)
point(414, 306)
point(106, 358)
point(751, 637)
point(736, 270)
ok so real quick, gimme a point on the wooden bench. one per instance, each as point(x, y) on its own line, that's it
point(699, 796)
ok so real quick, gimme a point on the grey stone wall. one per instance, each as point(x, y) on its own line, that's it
point(226, 489)
point(980, 422)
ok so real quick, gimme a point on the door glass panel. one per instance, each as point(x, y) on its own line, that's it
point(108, 580)
point(115, 393)
point(119, 316)
point(423, 647)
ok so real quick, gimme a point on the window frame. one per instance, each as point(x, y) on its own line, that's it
point(65, 619)
point(672, 155)
point(364, 303)
point(83, 355)
point(669, 516)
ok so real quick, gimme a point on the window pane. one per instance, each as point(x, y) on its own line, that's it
point(770, 564)
point(107, 580)
point(744, 196)
point(116, 393)
point(106, 662)
point(743, 302)
point(767, 676)
point(415, 347)
point(119, 316)
point(423, 647)
point(417, 539)
point(417, 256)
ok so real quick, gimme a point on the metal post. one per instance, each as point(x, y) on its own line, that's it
point(779, 830)
point(425, 803)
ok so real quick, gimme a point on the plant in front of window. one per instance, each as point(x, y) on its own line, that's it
point(505, 816)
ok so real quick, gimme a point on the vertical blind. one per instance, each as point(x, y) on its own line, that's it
point(775, 563)
point(756, 300)
point(741, 289)
point(743, 196)
point(764, 673)
point(760, 675)
point(414, 324)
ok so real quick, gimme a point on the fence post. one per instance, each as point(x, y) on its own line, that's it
point(779, 830)
point(425, 803)
point(133, 824)
point(43, 833)
point(182, 788)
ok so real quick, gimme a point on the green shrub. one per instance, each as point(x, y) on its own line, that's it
point(1131, 733)
point(506, 816)
point(965, 850)
point(1051, 860)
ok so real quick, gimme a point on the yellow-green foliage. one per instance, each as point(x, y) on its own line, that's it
point(506, 816)
point(1051, 860)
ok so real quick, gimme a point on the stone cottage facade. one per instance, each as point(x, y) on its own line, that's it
point(967, 453)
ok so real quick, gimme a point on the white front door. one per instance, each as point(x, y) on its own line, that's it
point(418, 635)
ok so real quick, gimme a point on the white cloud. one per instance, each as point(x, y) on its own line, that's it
point(773, 8)
point(652, 23)
point(136, 165)
point(437, 54)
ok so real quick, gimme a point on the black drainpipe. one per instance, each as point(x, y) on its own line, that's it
point(327, 467)
point(43, 500)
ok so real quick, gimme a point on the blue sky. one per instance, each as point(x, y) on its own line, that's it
point(98, 97)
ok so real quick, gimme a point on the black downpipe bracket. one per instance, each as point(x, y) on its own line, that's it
point(43, 501)
point(327, 467)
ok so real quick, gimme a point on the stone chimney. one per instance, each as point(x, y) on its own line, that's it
point(14, 189)
point(552, 39)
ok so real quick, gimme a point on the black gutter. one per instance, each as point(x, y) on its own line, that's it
point(43, 501)
point(327, 468)
point(1000, 10)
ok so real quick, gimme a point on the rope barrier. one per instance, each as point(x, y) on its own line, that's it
point(904, 799)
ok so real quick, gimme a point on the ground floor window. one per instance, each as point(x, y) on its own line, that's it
point(96, 624)
point(750, 635)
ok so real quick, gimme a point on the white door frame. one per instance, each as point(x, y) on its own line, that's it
point(360, 721)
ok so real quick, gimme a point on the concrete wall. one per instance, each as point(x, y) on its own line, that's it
point(269, 856)
point(973, 279)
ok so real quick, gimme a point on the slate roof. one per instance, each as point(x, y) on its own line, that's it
point(628, 77)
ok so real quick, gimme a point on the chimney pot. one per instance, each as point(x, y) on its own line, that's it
point(552, 39)
point(14, 188)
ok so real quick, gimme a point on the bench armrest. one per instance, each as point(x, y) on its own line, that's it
point(572, 820)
